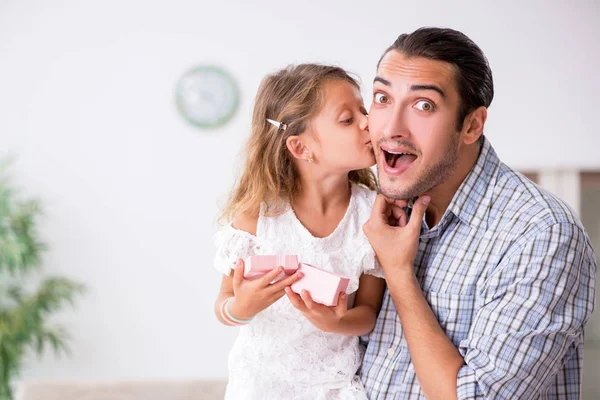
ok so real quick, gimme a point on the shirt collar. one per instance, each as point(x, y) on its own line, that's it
point(471, 202)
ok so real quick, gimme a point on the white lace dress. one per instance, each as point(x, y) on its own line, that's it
point(280, 355)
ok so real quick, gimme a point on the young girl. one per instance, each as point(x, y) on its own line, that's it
point(306, 190)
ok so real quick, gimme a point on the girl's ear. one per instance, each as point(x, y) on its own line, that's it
point(298, 148)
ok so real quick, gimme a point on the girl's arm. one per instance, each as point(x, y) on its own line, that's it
point(361, 319)
point(250, 296)
point(357, 321)
point(225, 292)
point(243, 222)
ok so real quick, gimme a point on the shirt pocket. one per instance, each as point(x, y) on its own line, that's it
point(453, 312)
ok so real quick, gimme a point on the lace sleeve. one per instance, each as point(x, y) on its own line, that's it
point(233, 244)
point(370, 264)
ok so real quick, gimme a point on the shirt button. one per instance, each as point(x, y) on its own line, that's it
point(391, 352)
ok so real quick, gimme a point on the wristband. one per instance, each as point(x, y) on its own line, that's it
point(232, 318)
point(225, 318)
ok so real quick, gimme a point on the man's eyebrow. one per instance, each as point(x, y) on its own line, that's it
point(413, 88)
point(435, 88)
point(381, 80)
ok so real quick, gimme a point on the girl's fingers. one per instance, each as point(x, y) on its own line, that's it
point(342, 305)
point(307, 298)
point(276, 296)
point(238, 273)
point(295, 299)
point(288, 281)
point(270, 276)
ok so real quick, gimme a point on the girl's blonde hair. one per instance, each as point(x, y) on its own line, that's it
point(293, 96)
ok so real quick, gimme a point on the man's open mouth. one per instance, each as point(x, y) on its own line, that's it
point(398, 161)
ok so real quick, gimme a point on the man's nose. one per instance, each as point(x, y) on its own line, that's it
point(396, 125)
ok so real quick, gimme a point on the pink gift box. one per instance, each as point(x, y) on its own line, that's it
point(324, 287)
point(257, 266)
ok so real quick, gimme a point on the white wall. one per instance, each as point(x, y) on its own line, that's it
point(131, 190)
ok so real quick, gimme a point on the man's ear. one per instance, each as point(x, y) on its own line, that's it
point(473, 125)
point(298, 148)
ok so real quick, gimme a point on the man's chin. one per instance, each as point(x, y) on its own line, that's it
point(397, 188)
point(392, 190)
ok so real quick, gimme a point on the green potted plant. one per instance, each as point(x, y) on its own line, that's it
point(26, 300)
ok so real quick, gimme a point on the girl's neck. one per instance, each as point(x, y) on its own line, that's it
point(322, 195)
point(321, 204)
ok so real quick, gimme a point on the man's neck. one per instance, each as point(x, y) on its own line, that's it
point(442, 195)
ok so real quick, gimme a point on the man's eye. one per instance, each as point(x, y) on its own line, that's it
point(424, 105)
point(381, 98)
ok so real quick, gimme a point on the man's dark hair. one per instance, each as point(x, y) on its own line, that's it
point(473, 74)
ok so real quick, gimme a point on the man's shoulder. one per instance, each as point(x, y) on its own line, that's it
point(518, 200)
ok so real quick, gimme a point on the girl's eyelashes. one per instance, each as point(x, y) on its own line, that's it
point(349, 119)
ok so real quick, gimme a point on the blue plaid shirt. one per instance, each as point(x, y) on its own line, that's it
point(509, 272)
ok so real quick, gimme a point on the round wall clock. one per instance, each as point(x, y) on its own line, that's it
point(207, 96)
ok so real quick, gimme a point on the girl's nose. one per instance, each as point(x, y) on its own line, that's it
point(364, 123)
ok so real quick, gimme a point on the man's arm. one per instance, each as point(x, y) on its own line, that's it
point(435, 358)
point(536, 305)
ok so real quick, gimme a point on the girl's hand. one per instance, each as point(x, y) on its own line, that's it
point(325, 318)
point(253, 296)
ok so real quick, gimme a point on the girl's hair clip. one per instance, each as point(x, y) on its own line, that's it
point(279, 125)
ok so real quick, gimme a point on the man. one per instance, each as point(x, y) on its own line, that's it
point(492, 279)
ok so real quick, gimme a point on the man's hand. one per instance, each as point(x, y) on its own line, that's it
point(435, 358)
point(325, 318)
point(395, 240)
